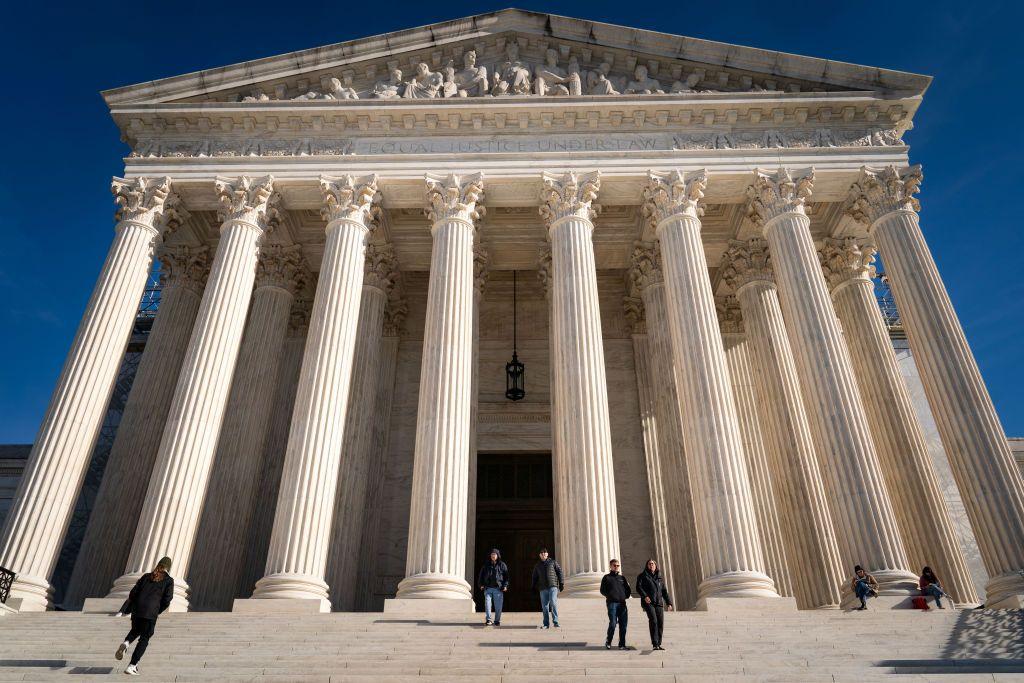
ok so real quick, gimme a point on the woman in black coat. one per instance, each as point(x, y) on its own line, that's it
point(654, 597)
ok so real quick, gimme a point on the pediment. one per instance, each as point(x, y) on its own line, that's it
point(514, 53)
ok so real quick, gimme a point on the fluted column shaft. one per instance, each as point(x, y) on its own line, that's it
point(223, 531)
point(800, 493)
point(122, 490)
point(862, 515)
point(762, 491)
point(989, 482)
point(42, 506)
point(590, 531)
point(300, 541)
point(927, 530)
point(685, 553)
point(436, 557)
point(170, 515)
point(730, 547)
point(351, 502)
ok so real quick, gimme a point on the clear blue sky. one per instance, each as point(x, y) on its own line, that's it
point(61, 148)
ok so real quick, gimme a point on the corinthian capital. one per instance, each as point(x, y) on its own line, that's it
point(847, 259)
point(879, 191)
point(730, 320)
point(146, 201)
point(380, 267)
point(248, 200)
point(569, 194)
point(645, 265)
point(674, 194)
point(773, 194)
point(452, 197)
point(350, 198)
point(283, 267)
point(746, 262)
point(185, 267)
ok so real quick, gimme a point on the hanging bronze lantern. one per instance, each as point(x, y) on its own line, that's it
point(515, 371)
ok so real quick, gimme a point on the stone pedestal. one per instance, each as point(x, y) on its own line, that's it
point(731, 558)
point(41, 509)
point(989, 482)
point(589, 532)
point(170, 514)
point(297, 557)
point(436, 557)
point(924, 522)
point(866, 530)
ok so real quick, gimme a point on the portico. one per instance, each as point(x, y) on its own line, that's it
point(345, 363)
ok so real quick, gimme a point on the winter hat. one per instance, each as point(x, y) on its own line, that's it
point(165, 562)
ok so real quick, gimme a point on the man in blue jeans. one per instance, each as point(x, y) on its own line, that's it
point(616, 592)
point(493, 581)
point(547, 580)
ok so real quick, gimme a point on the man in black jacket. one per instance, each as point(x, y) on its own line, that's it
point(150, 596)
point(493, 581)
point(547, 579)
point(615, 590)
point(650, 586)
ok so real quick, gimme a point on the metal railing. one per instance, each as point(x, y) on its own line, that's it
point(6, 580)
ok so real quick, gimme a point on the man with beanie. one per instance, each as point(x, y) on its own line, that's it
point(150, 596)
point(547, 580)
point(493, 581)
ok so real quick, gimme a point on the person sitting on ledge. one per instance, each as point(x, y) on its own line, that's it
point(929, 585)
point(864, 585)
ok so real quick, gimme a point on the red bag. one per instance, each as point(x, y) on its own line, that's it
point(920, 602)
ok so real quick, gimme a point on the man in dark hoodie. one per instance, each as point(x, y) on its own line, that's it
point(615, 590)
point(151, 595)
point(547, 580)
point(650, 586)
point(493, 581)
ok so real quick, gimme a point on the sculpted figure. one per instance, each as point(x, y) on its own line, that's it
point(335, 91)
point(449, 88)
point(472, 80)
point(550, 79)
point(391, 88)
point(598, 82)
point(642, 85)
point(257, 96)
point(688, 85)
point(425, 84)
point(514, 75)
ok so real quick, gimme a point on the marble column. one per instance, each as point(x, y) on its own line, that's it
point(220, 547)
point(351, 501)
point(170, 514)
point(924, 522)
point(42, 507)
point(481, 270)
point(299, 543)
point(741, 375)
point(808, 534)
point(436, 554)
point(982, 464)
point(559, 483)
point(590, 529)
point(108, 537)
point(648, 278)
point(732, 564)
point(862, 516)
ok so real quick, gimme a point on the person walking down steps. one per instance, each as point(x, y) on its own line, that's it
point(493, 581)
point(616, 592)
point(655, 600)
point(547, 580)
point(151, 595)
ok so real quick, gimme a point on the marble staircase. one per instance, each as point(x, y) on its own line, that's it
point(758, 645)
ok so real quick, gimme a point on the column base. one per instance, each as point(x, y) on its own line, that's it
point(427, 609)
point(1005, 591)
point(123, 586)
point(746, 605)
point(434, 586)
point(746, 584)
point(583, 585)
point(293, 587)
point(896, 586)
point(30, 594)
point(281, 606)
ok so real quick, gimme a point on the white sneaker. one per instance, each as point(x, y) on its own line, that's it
point(119, 655)
point(131, 670)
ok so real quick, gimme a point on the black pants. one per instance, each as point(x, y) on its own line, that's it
point(617, 614)
point(656, 622)
point(143, 630)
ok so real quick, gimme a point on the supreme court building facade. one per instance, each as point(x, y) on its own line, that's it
point(684, 235)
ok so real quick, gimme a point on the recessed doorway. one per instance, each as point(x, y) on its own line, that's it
point(514, 513)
